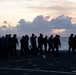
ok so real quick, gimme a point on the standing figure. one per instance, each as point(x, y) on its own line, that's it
point(74, 44)
point(22, 44)
point(33, 44)
point(0, 46)
point(45, 44)
point(57, 44)
point(14, 43)
point(40, 43)
point(10, 45)
point(5, 46)
point(26, 44)
point(50, 44)
point(71, 43)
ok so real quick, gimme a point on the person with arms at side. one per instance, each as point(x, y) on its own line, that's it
point(14, 43)
point(50, 44)
point(71, 43)
point(57, 44)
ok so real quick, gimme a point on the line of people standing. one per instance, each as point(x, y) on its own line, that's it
point(40, 45)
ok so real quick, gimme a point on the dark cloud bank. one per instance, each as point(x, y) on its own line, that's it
point(40, 24)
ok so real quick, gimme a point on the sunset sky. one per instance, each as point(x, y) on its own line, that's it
point(25, 14)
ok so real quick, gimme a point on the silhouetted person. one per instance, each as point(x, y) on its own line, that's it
point(40, 43)
point(5, 46)
point(22, 42)
point(50, 44)
point(0, 46)
point(71, 43)
point(14, 43)
point(45, 43)
point(10, 45)
point(57, 44)
point(74, 44)
point(26, 44)
point(33, 44)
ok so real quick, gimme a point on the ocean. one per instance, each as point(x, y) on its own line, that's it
point(64, 43)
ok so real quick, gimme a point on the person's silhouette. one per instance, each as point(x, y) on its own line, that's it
point(45, 43)
point(71, 43)
point(10, 45)
point(74, 44)
point(57, 44)
point(50, 44)
point(22, 44)
point(14, 43)
point(26, 43)
point(40, 43)
point(5, 46)
point(33, 44)
point(0, 46)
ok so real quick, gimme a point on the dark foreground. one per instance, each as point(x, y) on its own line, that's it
point(65, 64)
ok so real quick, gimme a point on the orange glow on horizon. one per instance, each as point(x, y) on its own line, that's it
point(56, 31)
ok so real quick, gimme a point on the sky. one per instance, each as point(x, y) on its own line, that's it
point(38, 16)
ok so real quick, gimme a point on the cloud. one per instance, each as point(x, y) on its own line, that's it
point(61, 22)
point(40, 24)
point(60, 25)
point(57, 7)
point(23, 25)
point(5, 22)
point(47, 17)
point(4, 27)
